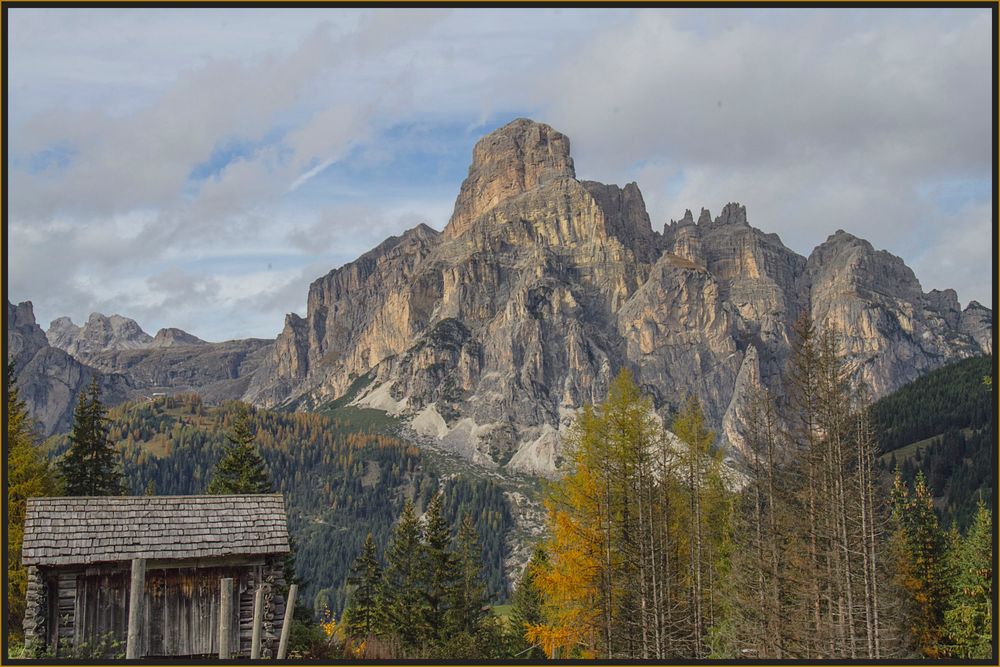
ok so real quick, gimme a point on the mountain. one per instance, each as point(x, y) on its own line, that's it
point(100, 333)
point(52, 367)
point(172, 337)
point(334, 479)
point(49, 379)
point(944, 424)
point(486, 337)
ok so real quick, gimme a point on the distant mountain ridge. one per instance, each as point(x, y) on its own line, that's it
point(488, 336)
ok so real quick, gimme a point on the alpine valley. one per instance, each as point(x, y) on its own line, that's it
point(480, 342)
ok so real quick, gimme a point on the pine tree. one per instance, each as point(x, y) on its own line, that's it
point(527, 608)
point(90, 466)
point(968, 622)
point(28, 476)
point(440, 568)
point(403, 602)
point(466, 610)
point(241, 468)
point(363, 613)
point(918, 548)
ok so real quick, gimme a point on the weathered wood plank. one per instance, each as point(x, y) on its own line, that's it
point(225, 618)
point(137, 591)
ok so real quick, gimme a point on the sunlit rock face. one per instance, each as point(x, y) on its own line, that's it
point(489, 336)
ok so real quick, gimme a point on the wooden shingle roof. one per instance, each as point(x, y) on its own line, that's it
point(81, 530)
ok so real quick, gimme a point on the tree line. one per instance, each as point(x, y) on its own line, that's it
point(427, 598)
point(659, 551)
point(657, 548)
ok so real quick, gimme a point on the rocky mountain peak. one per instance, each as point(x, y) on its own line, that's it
point(62, 332)
point(507, 162)
point(173, 337)
point(24, 336)
point(706, 218)
point(100, 333)
point(732, 214)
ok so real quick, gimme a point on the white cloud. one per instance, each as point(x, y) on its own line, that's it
point(816, 120)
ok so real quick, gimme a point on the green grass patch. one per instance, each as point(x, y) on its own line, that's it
point(502, 610)
point(910, 450)
point(368, 420)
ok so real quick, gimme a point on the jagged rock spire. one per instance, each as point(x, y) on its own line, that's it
point(513, 159)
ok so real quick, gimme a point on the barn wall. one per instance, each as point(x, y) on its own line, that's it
point(270, 574)
point(36, 611)
point(82, 605)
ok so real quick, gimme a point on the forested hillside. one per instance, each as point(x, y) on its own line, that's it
point(340, 481)
point(944, 425)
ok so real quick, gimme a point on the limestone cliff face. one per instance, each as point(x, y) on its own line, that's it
point(489, 336)
point(890, 331)
point(977, 322)
point(514, 159)
point(173, 337)
point(50, 380)
point(100, 333)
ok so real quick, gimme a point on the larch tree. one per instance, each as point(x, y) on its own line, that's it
point(919, 555)
point(571, 581)
point(29, 475)
point(708, 519)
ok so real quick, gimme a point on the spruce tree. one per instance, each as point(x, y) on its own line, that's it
point(918, 552)
point(28, 475)
point(527, 607)
point(968, 622)
point(402, 599)
point(440, 568)
point(241, 468)
point(469, 599)
point(363, 608)
point(90, 466)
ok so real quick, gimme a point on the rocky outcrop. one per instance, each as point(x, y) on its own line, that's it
point(100, 333)
point(889, 330)
point(516, 158)
point(977, 322)
point(172, 337)
point(50, 380)
point(131, 366)
point(215, 371)
point(489, 336)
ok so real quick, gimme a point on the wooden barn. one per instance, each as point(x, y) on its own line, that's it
point(83, 553)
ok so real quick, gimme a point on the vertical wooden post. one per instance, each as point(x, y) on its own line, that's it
point(225, 618)
point(258, 619)
point(286, 625)
point(136, 601)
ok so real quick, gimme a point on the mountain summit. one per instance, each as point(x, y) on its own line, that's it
point(514, 159)
point(488, 337)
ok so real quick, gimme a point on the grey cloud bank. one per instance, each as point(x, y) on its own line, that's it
point(876, 121)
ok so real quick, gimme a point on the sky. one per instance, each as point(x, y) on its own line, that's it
point(199, 168)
